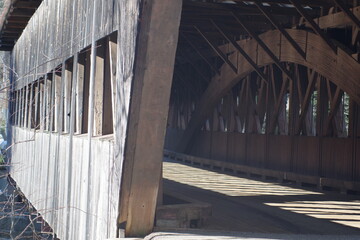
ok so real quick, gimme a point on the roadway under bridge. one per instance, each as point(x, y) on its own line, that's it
point(249, 204)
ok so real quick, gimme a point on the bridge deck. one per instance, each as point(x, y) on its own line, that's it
point(254, 206)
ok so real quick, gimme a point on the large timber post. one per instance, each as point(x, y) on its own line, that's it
point(155, 57)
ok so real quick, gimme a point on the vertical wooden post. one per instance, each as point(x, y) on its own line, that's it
point(322, 111)
point(24, 102)
point(67, 97)
point(37, 106)
point(57, 98)
point(322, 106)
point(16, 112)
point(31, 105)
point(71, 134)
point(155, 59)
point(99, 90)
point(293, 117)
point(85, 98)
point(51, 101)
point(90, 127)
point(107, 116)
point(48, 107)
point(112, 63)
point(352, 133)
point(26, 106)
point(21, 107)
point(79, 92)
point(42, 104)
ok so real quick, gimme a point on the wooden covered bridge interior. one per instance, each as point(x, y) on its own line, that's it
point(260, 118)
point(267, 90)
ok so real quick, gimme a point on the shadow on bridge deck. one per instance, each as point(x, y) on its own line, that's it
point(258, 207)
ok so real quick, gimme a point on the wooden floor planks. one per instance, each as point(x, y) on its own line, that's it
point(248, 205)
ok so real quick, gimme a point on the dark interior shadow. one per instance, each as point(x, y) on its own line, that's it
point(275, 214)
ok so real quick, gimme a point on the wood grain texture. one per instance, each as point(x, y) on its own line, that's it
point(67, 30)
point(340, 68)
point(148, 114)
point(85, 196)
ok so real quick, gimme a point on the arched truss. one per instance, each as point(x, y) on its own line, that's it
point(336, 67)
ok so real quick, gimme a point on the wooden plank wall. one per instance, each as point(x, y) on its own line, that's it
point(329, 157)
point(155, 60)
point(58, 30)
point(78, 192)
point(45, 182)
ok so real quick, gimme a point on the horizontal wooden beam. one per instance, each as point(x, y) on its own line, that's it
point(347, 11)
point(279, 27)
point(3, 39)
point(22, 12)
point(4, 43)
point(334, 20)
point(195, 7)
point(313, 24)
point(27, 4)
point(315, 3)
point(10, 35)
point(16, 19)
point(21, 25)
point(339, 68)
point(263, 46)
point(10, 31)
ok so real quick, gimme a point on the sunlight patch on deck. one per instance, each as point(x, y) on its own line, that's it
point(226, 184)
point(345, 213)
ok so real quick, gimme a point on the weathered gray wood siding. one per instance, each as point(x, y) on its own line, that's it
point(76, 192)
point(45, 182)
point(61, 28)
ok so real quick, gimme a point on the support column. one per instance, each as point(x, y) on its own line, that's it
point(17, 104)
point(67, 96)
point(155, 59)
point(57, 99)
point(112, 64)
point(99, 90)
point(80, 93)
point(31, 107)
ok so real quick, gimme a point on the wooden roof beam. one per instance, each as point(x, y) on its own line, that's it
point(27, 4)
point(2, 42)
point(193, 64)
point(9, 44)
point(313, 25)
point(241, 51)
point(314, 3)
point(9, 35)
point(17, 25)
point(263, 46)
point(22, 12)
point(5, 48)
point(216, 49)
point(221, 8)
point(280, 28)
point(10, 31)
point(4, 39)
point(348, 13)
point(14, 19)
point(183, 36)
point(338, 19)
